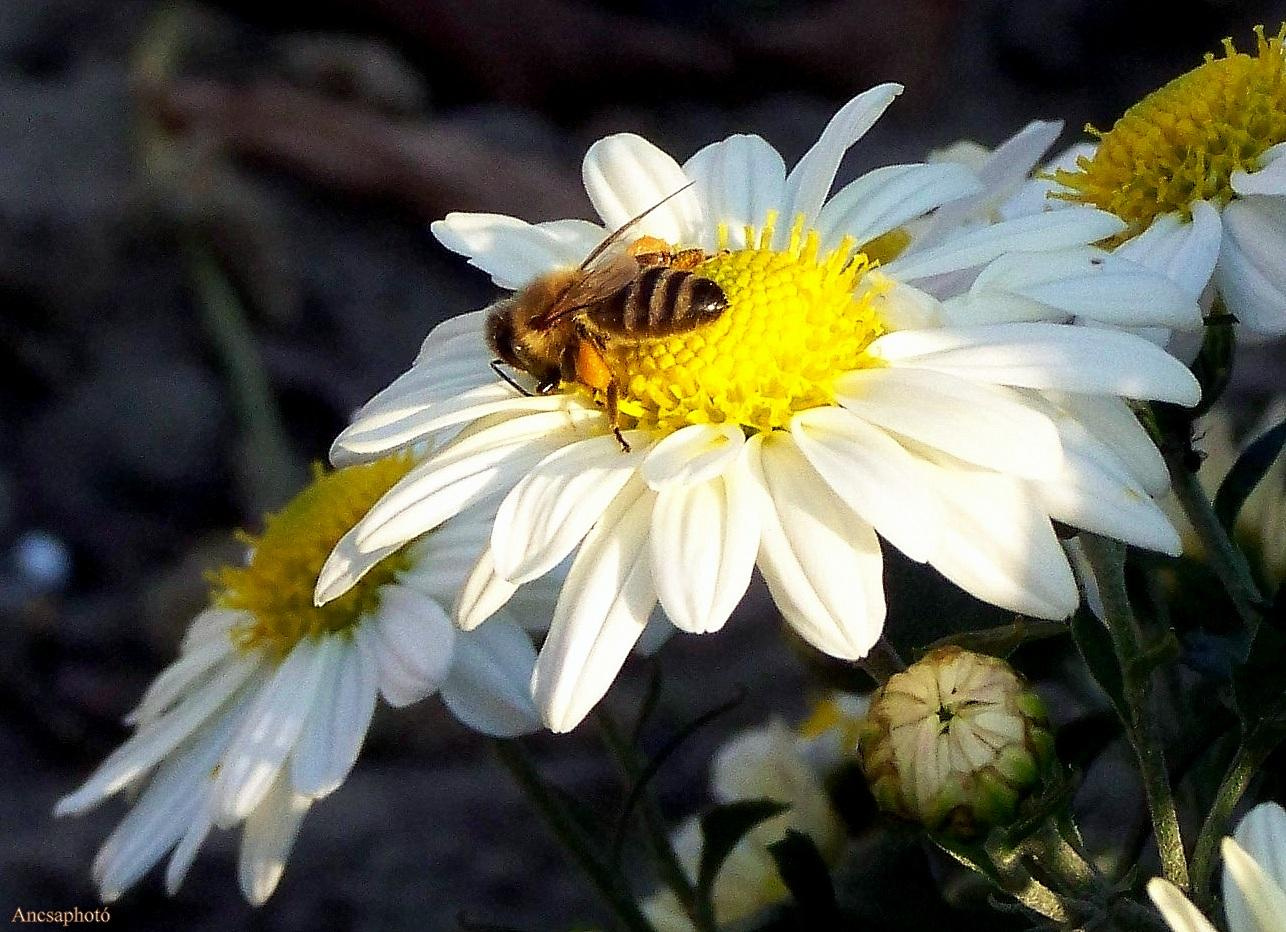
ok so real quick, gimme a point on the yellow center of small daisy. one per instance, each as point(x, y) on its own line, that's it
point(275, 588)
point(1182, 143)
point(796, 320)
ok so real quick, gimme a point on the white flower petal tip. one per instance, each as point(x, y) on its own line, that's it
point(1269, 179)
point(693, 454)
point(625, 175)
point(488, 687)
point(1179, 913)
point(1254, 884)
point(512, 251)
point(412, 640)
point(483, 594)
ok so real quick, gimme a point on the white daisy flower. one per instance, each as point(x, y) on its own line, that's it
point(1198, 171)
point(1254, 881)
point(267, 706)
point(832, 403)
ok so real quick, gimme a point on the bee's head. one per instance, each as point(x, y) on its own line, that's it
point(518, 345)
point(502, 335)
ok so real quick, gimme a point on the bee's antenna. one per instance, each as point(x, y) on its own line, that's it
point(616, 234)
point(509, 379)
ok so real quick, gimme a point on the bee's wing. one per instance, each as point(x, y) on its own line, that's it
point(609, 275)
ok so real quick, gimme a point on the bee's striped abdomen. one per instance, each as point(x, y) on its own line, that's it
point(657, 302)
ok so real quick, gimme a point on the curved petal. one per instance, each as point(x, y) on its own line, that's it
point(1048, 356)
point(704, 539)
point(884, 199)
point(696, 453)
point(484, 593)
point(979, 423)
point(269, 731)
point(811, 179)
point(1185, 251)
point(336, 725)
point(738, 180)
point(822, 564)
point(489, 686)
point(625, 175)
point(1053, 229)
point(1254, 883)
point(1251, 273)
point(1270, 179)
point(512, 251)
point(998, 544)
point(1179, 913)
point(874, 475)
point(1114, 423)
point(601, 613)
point(411, 639)
point(553, 507)
point(266, 841)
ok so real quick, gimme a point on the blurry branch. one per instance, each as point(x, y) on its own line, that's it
point(431, 167)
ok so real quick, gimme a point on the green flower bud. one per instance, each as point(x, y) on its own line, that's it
point(956, 742)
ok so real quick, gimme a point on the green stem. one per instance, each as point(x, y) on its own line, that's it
point(1016, 880)
point(1226, 559)
point(1107, 559)
point(882, 662)
point(1250, 756)
point(608, 883)
point(658, 839)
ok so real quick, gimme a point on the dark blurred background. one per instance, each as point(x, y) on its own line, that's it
point(214, 246)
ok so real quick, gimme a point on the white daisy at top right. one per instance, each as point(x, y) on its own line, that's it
point(1198, 171)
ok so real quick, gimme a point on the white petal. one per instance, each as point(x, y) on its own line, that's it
point(443, 341)
point(822, 563)
point(464, 473)
point(213, 623)
point(904, 307)
point(1083, 281)
point(337, 723)
point(1097, 493)
point(1253, 901)
point(1002, 173)
point(1042, 355)
point(412, 640)
point(393, 429)
point(1055, 229)
point(180, 677)
point(704, 540)
point(1254, 883)
point(979, 423)
point(150, 744)
point(874, 475)
point(1183, 250)
point(1269, 179)
point(626, 175)
point(1251, 273)
point(810, 180)
point(601, 613)
point(346, 565)
point(483, 594)
point(1114, 423)
point(998, 544)
point(696, 453)
point(489, 685)
point(185, 852)
point(266, 840)
point(738, 180)
point(1033, 196)
point(556, 503)
point(511, 251)
point(267, 735)
point(886, 198)
point(1178, 912)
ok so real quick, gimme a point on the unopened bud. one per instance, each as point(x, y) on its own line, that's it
point(955, 742)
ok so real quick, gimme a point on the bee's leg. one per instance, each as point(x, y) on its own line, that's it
point(509, 379)
point(612, 400)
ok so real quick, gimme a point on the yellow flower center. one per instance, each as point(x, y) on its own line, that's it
point(1182, 143)
point(796, 320)
point(275, 588)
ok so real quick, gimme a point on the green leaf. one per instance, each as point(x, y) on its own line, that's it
point(1213, 365)
point(722, 828)
point(1095, 647)
point(803, 869)
point(1246, 473)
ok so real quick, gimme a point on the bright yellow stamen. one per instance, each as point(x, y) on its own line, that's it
point(796, 319)
point(276, 587)
point(1182, 143)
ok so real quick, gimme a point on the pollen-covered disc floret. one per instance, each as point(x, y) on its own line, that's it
point(955, 742)
point(1182, 143)
point(796, 320)
point(275, 588)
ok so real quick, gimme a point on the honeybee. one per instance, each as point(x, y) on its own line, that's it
point(557, 328)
